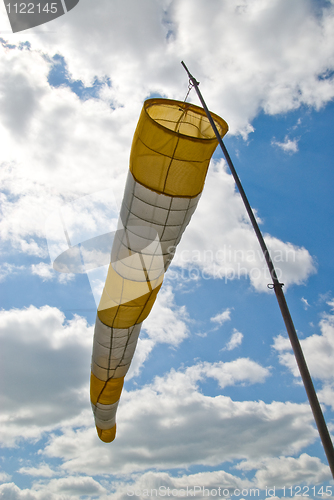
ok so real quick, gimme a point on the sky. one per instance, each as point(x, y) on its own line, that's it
point(213, 404)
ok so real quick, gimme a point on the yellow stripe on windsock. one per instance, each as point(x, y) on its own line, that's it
point(106, 435)
point(125, 302)
point(107, 392)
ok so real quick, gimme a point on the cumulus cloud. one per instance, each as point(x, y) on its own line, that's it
point(57, 158)
point(331, 304)
point(318, 350)
point(241, 370)
point(170, 423)
point(72, 486)
point(4, 477)
point(235, 340)
point(196, 485)
point(61, 142)
point(305, 303)
point(9, 270)
point(271, 75)
point(167, 323)
point(43, 270)
point(44, 470)
point(326, 394)
point(222, 317)
point(36, 342)
point(56, 489)
point(46, 369)
point(158, 424)
point(239, 72)
point(296, 471)
point(288, 146)
point(283, 471)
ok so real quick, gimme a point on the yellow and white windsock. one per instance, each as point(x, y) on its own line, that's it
point(170, 155)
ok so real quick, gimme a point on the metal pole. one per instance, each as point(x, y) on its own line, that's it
point(304, 372)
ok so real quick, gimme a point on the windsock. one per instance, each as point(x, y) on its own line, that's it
point(171, 150)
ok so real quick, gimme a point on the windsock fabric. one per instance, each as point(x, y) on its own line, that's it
point(171, 150)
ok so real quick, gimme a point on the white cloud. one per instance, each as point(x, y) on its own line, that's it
point(192, 485)
point(273, 473)
point(56, 489)
point(241, 74)
point(143, 350)
point(46, 368)
point(241, 370)
point(284, 471)
point(44, 470)
point(59, 156)
point(161, 417)
point(167, 323)
point(305, 302)
point(4, 477)
point(171, 424)
point(326, 395)
point(70, 486)
point(264, 73)
point(9, 270)
point(235, 340)
point(282, 343)
point(318, 351)
point(222, 317)
point(36, 342)
point(43, 270)
point(288, 146)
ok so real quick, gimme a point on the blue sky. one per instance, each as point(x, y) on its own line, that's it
point(212, 398)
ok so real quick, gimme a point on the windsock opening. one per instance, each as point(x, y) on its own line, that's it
point(172, 147)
